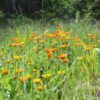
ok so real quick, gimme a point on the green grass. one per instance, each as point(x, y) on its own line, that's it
point(79, 78)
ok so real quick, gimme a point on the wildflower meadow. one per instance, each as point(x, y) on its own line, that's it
point(62, 62)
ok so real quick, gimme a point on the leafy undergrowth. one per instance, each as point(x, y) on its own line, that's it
point(62, 63)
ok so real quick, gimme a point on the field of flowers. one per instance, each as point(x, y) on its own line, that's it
point(54, 65)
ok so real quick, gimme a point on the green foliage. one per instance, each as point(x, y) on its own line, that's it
point(52, 8)
point(69, 8)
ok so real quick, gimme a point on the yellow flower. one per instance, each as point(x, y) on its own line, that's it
point(90, 47)
point(68, 38)
point(16, 57)
point(46, 76)
point(36, 71)
point(21, 44)
point(29, 76)
point(37, 80)
point(20, 70)
point(41, 41)
point(89, 35)
point(8, 61)
point(61, 72)
point(98, 41)
point(1, 52)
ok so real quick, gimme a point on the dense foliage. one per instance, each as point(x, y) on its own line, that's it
point(51, 8)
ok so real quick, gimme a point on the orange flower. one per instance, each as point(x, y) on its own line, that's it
point(14, 44)
point(76, 39)
point(5, 72)
point(56, 35)
point(48, 50)
point(15, 40)
point(33, 34)
point(40, 88)
point(54, 49)
point(64, 46)
point(62, 56)
point(65, 60)
point(50, 55)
